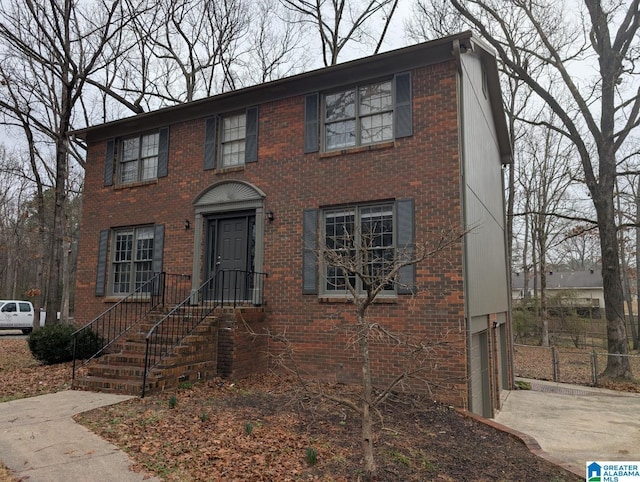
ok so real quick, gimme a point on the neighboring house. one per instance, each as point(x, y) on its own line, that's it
point(411, 141)
point(584, 287)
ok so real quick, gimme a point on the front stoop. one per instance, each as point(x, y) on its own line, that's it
point(194, 358)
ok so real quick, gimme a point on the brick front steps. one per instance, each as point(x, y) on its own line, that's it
point(195, 357)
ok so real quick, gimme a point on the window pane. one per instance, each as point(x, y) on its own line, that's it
point(339, 237)
point(149, 168)
point(143, 273)
point(233, 127)
point(340, 134)
point(124, 245)
point(376, 128)
point(121, 275)
point(144, 244)
point(377, 242)
point(340, 106)
point(129, 171)
point(375, 98)
point(130, 149)
point(233, 153)
point(149, 145)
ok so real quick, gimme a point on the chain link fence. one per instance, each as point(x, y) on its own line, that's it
point(561, 364)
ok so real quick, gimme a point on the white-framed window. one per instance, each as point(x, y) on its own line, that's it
point(132, 259)
point(358, 116)
point(139, 158)
point(232, 140)
point(358, 239)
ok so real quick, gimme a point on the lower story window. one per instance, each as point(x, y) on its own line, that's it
point(359, 248)
point(132, 260)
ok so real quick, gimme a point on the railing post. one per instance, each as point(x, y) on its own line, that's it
point(146, 363)
point(73, 370)
point(594, 367)
point(164, 285)
point(555, 362)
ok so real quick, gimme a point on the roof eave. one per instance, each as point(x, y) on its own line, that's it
point(406, 58)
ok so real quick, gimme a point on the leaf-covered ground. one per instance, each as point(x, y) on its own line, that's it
point(23, 376)
point(267, 429)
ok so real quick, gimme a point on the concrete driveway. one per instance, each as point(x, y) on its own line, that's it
point(576, 424)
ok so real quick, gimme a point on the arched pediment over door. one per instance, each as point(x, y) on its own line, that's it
point(229, 196)
point(229, 219)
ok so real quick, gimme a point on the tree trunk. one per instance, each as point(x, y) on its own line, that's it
point(60, 192)
point(636, 338)
point(618, 365)
point(370, 469)
point(542, 249)
point(626, 284)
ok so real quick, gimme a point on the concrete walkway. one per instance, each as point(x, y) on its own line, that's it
point(576, 424)
point(39, 440)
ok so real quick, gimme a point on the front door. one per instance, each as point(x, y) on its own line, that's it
point(231, 251)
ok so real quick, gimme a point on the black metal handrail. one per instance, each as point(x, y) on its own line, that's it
point(161, 290)
point(225, 288)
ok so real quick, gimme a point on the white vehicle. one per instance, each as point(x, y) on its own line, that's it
point(18, 315)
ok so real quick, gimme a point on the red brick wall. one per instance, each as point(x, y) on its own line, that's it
point(424, 167)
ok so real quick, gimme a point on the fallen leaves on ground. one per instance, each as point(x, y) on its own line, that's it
point(573, 365)
point(22, 376)
point(266, 428)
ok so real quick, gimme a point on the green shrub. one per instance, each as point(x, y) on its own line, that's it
point(54, 344)
point(87, 344)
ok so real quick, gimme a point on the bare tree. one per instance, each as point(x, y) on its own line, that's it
point(276, 47)
point(597, 116)
point(356, 260)
point(53, 48)
point(340, 23)
point(545, 182)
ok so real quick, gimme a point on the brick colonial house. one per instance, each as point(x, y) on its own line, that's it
point(410, 141)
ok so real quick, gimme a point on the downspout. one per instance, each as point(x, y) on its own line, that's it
point(457, 52)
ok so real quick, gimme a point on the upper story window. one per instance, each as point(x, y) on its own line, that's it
point(232, 140)
point(358, 116)
point(139, 158)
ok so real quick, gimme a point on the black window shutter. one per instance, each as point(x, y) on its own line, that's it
point(251, 136)
point(101, 271)
point(108, 162)
point(163, 152)
point(309, 251)
point(158, 246)
point(311, 121)
point(405, 246)
point(210, 143)
point(403, 115)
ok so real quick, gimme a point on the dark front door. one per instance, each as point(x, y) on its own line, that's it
point(230, 253)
